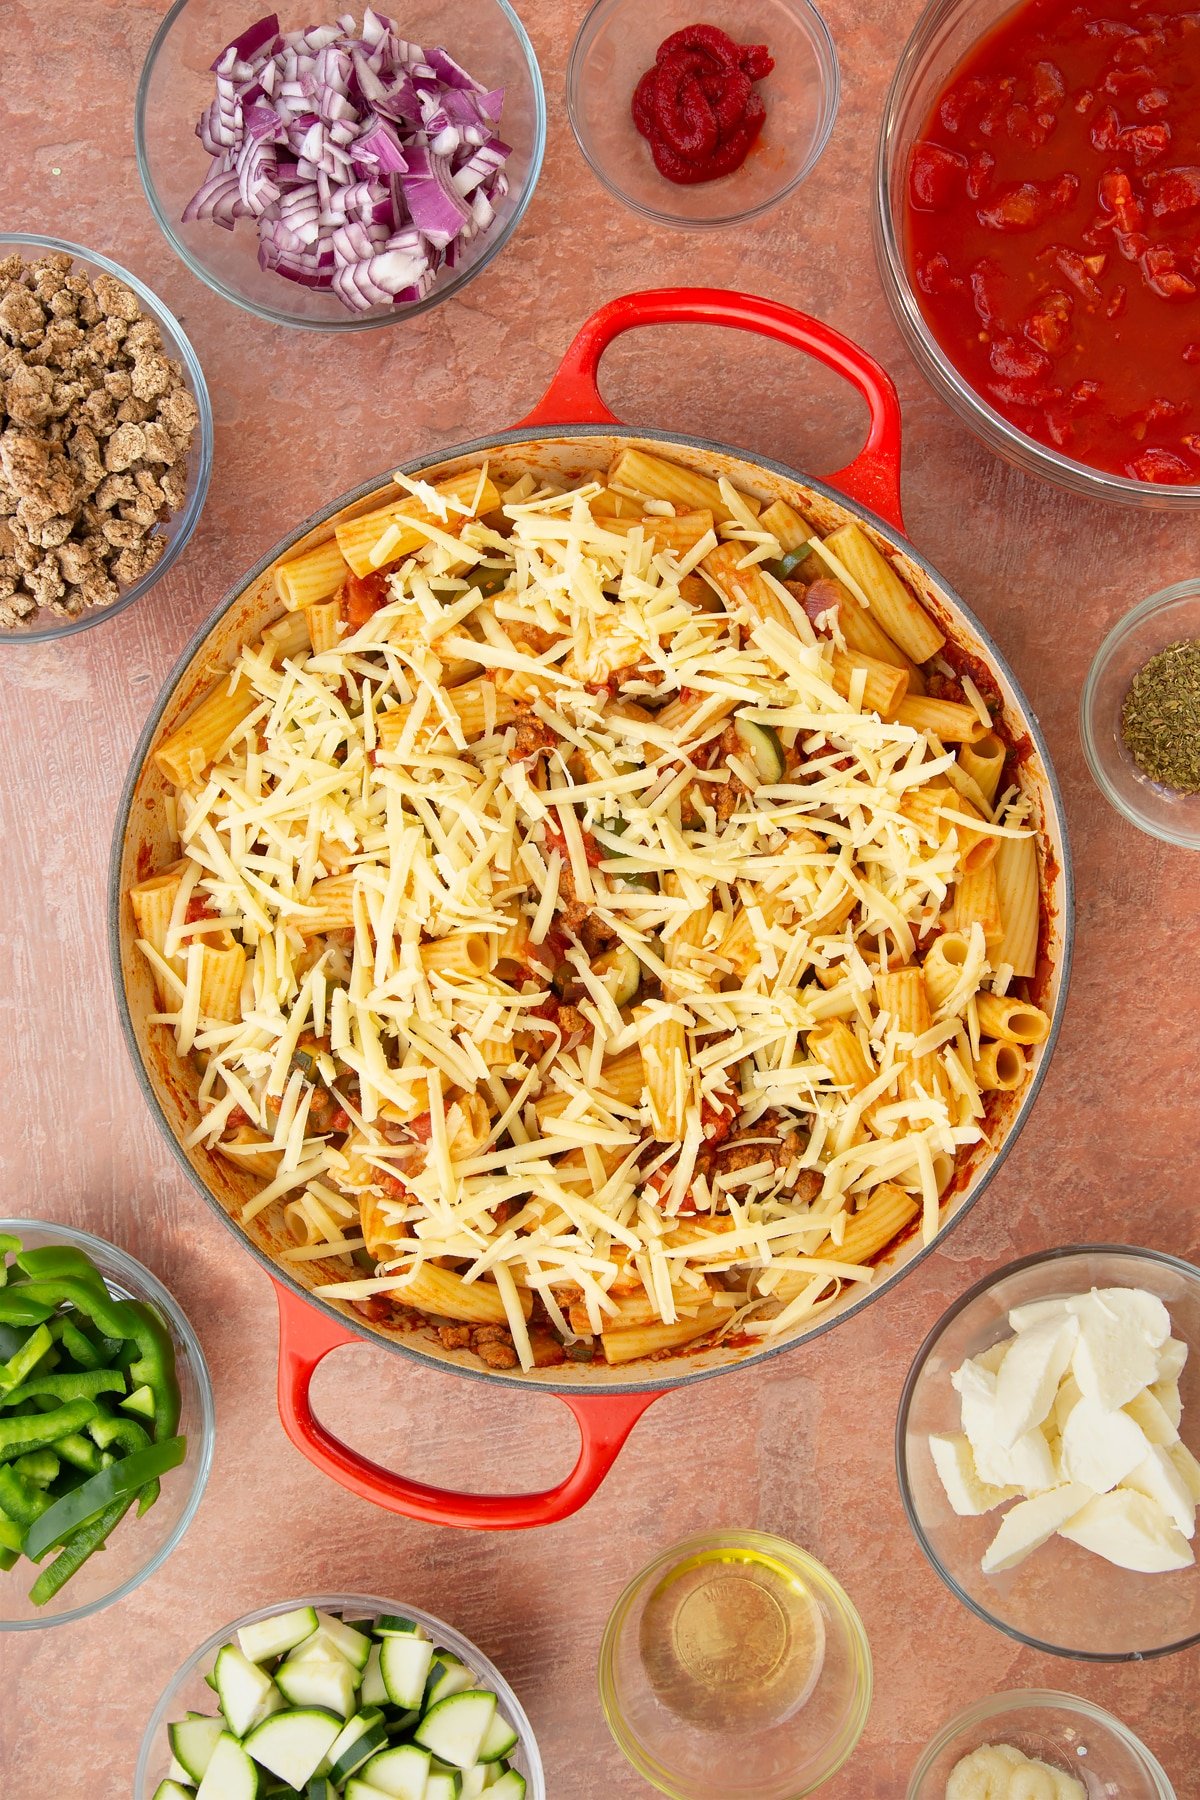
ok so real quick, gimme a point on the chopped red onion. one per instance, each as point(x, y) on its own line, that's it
point(368, 163)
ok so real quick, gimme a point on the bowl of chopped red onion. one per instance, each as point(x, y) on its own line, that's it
point(339, 173)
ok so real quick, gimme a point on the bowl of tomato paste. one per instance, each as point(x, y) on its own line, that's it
point(702, 116)
point(1037, 226)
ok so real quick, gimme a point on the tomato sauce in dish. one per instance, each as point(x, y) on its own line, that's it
point(1053, 213)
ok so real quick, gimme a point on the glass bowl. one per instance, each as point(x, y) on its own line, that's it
point(944, 34)
point(180, 526)
point(1081, 1739)
point(138, 1547)
point(177, 83)
point(746, 1623)
point(187, 1691)
point(1163, 619)
point(615, 46)
point(1061, 1599)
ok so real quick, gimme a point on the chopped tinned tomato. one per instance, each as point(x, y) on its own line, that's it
point(360, 596)
point(1054, 229)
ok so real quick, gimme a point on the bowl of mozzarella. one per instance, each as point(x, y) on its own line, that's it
point(1045, 1451)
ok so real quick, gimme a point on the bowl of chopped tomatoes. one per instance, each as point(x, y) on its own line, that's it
point(1037, 228)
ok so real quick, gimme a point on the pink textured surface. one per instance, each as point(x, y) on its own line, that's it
point(804, 1446)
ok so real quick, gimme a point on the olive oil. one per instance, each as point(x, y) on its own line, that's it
point(732, 1639)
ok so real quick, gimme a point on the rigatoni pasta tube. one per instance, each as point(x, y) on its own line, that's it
point(681, 532)
point(479, 705)
point(886, 1214)
point(153, 902)
point(1017, 890)
point(608, 504)
point(976, 847)
point(286, 636)
point(999, 1068)
point(983, 761)
point(660, 479)
point(1013, 1021)
point(901, 992)
point(323, 620)
point(884, 686)
point(678, 713)
point(897, 610)
point(437, 1290)
point(977, 901)
point(943, 966)
point(624, 1076)
point(221, 974)
point(195, 744)
point(459, 953)
point(863, 634)
point(746, 586)
point(835, 1046)
point(358, 538)
point(647, 1340)
point(331, 906)
point(679, 950)
point(946, 719)
point(310, 577)
point(663, 1045)
point(789, 529)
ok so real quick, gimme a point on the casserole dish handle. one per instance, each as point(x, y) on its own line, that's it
point(306, 1337)
point(573, 397)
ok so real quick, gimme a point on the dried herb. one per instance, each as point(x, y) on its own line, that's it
point(1160, 718)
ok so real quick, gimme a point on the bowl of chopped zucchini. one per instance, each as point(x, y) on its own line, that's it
point(339, 1696)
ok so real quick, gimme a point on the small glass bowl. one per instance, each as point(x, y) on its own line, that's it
point(138, 1547)
point(1062, 1599)
point(673, 1615)
point(1165, 618)
point(1073, 1735)
point(944, 34)
point(180, 526)
point(615, 46)
point(187, 1691)
point(177, 83)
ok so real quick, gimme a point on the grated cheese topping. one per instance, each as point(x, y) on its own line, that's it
point(543, 828)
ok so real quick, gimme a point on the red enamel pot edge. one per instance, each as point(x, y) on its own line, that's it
point(606, 1404)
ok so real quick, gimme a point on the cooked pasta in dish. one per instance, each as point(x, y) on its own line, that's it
point(602, 918)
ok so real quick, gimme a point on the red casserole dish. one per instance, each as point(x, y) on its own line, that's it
point(570, 429)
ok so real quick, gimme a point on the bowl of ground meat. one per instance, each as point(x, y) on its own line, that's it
point(105, 438)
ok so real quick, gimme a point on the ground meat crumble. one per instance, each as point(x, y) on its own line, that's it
point(96, 422)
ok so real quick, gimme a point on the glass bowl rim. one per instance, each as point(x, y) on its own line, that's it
point(986, 1282)
point(150, 1287)
point(1037, 1699)
point(1000, 435)
point(188, 514)
point(828, 64)
point(821, 1577)
point(370, 1604)
point(440, 291)
point(1109, 644)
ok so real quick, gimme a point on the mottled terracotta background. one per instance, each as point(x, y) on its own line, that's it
point(804, 1447)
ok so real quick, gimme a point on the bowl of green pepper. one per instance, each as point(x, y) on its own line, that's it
point(106, 1424)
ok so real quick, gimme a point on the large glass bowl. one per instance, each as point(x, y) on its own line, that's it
point(138, 1547)
point(1165, 618)
point(946, 31)
point(177, 83)
point(1061, 1599)
point(616, 44)
point(700, 1607)
point(186, 1691)
point(180, 526)
point(1081, 1739)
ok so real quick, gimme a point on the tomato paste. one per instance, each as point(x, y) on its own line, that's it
point(1054, 229)
point(697, 107)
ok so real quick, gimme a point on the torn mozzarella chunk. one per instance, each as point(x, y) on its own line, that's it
point(1028, 1377)
point(967, 1493)
point(1171, 1359)
point(1166, 1392)
point(1129, 1530)
point(1113, 1359)
point(1099, 1447)
point(1157, 1477)
point(1152, 1418)
point(1031, 1523)
point(1188, 1467)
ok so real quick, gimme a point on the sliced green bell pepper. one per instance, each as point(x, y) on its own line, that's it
point(19, 1307)
point(43, 1431)
point(39, 1466)
point(121, 1482)
point(20, 1500)
point(77, 1384)
point(75, 1552)
point(38, 1344)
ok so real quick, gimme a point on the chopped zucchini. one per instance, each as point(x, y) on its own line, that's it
point(621, 973)
point(766, 751)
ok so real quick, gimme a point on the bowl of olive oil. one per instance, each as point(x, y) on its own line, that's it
point(734, 1667)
